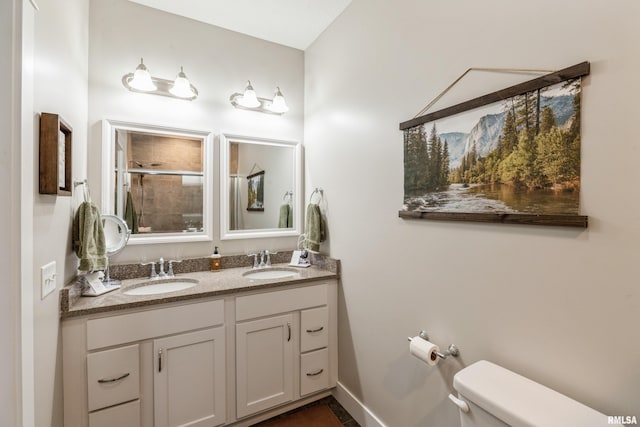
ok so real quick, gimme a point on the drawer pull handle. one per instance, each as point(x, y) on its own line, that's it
point(316, 373)
point(160, 360)
point(289, 327)
point(113, 380)
point(310, 331)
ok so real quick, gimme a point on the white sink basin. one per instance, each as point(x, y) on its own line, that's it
point(161, 286)
point(270, 274)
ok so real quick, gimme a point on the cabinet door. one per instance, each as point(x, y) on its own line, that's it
point(189, 380)
point(264, 364)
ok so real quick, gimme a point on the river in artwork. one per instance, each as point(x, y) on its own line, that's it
point(498, 198)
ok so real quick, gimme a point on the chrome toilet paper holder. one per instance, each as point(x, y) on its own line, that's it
point(452, 350)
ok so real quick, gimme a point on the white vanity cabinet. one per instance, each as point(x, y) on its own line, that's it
point(238, 359)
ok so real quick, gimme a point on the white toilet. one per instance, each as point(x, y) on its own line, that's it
point(491, 396)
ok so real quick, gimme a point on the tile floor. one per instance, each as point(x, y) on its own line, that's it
point(343, 416)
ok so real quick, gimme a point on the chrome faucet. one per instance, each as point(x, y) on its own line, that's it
point(255, 260)
point(153, 274)
point(170, 272)
point(264, 261)
point(161, 274)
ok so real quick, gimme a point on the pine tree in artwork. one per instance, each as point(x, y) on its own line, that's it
point(434, 165)
point(548, 120)
point(416, 158)
point(444, 169)
point(573, 137)
point(526, 113)
point(554, 157)
point(509, 139)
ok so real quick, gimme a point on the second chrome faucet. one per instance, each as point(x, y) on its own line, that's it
point(161, 274)
point(265, 259)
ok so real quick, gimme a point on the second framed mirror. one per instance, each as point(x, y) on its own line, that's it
point(260, 187)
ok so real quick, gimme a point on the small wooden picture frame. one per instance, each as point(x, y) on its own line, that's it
point(55, 155)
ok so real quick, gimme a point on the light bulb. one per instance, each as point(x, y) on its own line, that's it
point(181, 86)
point(142, 79)
point(249, 98)
point(278, 105)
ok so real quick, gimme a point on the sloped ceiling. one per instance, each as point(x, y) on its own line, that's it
point(294, 23)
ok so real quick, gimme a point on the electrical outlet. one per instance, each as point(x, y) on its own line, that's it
point(48, 278)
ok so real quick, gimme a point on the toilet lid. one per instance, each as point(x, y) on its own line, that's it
point(519, 401)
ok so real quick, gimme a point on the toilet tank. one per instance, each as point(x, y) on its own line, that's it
point(498, 397)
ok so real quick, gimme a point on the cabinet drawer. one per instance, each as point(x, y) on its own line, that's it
point(117, 330)
point(314, 325)
point(276, 302)
point(314, 371)
point(126, 415)
point(113, 377)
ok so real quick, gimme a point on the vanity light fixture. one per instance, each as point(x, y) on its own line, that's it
point(142, 81)
point(250, 101)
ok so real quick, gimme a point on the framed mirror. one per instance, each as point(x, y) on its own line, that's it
point(260, 187)
point(158, 180)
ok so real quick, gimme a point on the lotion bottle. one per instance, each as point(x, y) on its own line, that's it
point(215, 260)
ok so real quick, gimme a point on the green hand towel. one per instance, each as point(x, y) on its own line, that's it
point(286, 216)
point(314, 228)
point(130, 216)
point(88, 238)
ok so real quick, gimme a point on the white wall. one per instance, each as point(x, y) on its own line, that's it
point(218, 62)
point(61, 86)
point(9, 305)
point(558, 305)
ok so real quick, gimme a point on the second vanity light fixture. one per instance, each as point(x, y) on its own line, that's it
point(142, 81)
point(250, 101)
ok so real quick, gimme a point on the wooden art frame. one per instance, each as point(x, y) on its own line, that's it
point(55, 155)
point(255, 190)
point(430, 208)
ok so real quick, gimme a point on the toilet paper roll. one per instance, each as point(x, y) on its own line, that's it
point(424, 350)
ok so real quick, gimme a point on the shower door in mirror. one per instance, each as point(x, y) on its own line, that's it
point(157, 181)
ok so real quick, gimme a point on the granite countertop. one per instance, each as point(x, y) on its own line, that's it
point(211, 283)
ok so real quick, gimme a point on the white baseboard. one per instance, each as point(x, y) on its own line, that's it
point(358, 411)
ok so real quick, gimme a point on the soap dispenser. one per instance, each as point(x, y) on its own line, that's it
point(215, 260)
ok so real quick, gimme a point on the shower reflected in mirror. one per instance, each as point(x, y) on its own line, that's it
point(159, 181)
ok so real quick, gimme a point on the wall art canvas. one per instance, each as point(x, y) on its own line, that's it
point(518, 155)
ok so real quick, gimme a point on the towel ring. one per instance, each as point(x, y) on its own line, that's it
point(288, 196)
point(85, 188)
point(319, 191)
